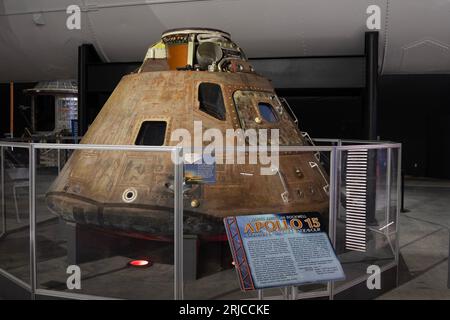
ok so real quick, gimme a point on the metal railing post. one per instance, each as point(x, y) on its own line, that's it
point(402, 191)
point(178, 226)
point(388, 199)
point(448, 277)
point(32, 219)
point(399, 191)
point(58, 140)
point(388, 186)
point(285, 293)
point(293, 293)
point(260, 295)
point(2, 154)
point(334, 169)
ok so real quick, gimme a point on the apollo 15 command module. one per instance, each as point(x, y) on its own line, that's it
point(191, 75)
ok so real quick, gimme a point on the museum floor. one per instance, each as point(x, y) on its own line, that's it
point(424, 241)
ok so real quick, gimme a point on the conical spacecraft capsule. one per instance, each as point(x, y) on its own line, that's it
point(190, 76)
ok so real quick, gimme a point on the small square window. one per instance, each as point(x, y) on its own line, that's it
point(211, 100)
point(152, 133)
point(267, 112)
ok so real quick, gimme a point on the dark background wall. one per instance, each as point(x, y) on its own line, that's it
point(413, 110)
point(416, 111)
point(101, 79)
point(328, 113)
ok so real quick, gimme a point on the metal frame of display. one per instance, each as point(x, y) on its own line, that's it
point(336, 148)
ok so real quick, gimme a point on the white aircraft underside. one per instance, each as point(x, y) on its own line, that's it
point(35, 43)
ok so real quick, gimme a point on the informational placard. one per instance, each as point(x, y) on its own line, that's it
point(279, 250)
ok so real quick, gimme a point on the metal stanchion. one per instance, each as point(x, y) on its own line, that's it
point(448, 277)
point(397, 214)
point(178, 226)
point(58, 140)
point(260, 295)
point(403, 209)
point(293, 293)
point(3, 208)
point(334, 173)
point(285, 293)
point(32, 198)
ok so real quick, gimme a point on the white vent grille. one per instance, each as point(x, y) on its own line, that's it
point(356, 197)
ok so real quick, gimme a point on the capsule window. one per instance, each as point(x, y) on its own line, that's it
point(211, 100)
point(152, 133)
point(267, 112)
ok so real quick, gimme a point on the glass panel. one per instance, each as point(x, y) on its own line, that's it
point(15, 239)
point(242, 188)
point(392, 228)
point(267, 112)
point(103, 211)
point(106, 209)
point(211, 100)
point(364, 221)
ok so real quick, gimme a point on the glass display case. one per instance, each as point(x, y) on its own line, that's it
point(127, 222)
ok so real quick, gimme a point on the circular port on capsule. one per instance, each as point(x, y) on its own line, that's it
point(129, 195)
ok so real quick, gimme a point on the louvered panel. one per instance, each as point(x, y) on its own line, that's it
point(356, 197)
